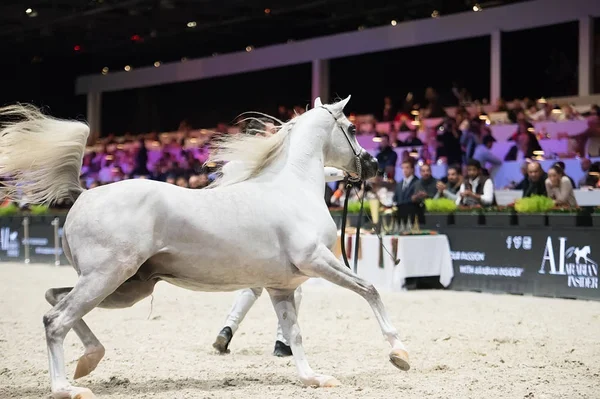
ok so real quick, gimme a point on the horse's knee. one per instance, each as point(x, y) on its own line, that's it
point(54, 329)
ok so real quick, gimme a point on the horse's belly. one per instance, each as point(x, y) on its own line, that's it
point(200, 273)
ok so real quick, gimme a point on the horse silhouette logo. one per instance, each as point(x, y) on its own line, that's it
point(581, 254)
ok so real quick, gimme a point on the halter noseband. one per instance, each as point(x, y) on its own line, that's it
point(356, 153)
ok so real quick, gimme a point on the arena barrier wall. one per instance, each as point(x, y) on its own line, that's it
point(32, 239)
point(551, 262)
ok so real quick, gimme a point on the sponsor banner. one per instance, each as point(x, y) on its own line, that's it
point(11, 234)
point(521, 261)
point(41, 244)
point(41, 240)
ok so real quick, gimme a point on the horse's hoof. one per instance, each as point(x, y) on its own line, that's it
point(399, 358)
point(88, 362)
point(84, 394)
point(330, 382)
point(223, 339)
point(281, 349)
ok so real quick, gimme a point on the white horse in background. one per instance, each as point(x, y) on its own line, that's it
point(265, 225)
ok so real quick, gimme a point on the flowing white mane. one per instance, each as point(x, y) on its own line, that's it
point(248, 155)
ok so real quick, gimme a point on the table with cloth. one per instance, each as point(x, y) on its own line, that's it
point(419, 255)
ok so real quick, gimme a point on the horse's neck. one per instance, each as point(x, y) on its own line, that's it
point(305, 164)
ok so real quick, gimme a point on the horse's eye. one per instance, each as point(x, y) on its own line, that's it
point(352, 129)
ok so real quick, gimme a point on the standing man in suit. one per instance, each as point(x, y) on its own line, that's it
point(405, 189)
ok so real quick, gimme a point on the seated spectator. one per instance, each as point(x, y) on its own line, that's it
point(593, 179)
point(562, 165)
point(522, 185)
point(433, 108)
point(181, 182)
point(523, 149)
point(426, 186)
point(537, 177)
point(588, 142)
point(523, 126)
point(471, 138)
point(412, 140)
point(389, 112)
point(199, 181)
point(477, 189)
point(559, 187)
point(545, 113)
point(449, 142)
point(386, 156)
point(585, 168)
point(483, 153)
point(403, 194)
point(501, 105)
point(452, 186)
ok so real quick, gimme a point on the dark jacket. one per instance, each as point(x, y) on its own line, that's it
point(405, 196)
point(536, 188)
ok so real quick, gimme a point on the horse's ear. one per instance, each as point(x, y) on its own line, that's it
point(318, 102)
point(342, 104)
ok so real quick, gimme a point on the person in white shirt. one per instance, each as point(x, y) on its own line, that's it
point(477, 189)
point(247, 297)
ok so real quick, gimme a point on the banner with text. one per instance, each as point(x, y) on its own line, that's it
point(516, 260)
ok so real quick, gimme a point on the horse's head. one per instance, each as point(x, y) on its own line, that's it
point(341, 148)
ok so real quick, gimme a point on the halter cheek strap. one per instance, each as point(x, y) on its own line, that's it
point(356, 153)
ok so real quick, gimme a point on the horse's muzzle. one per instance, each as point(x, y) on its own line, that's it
point(369, 165)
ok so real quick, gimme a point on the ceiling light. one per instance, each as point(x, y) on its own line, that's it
point(249, 48)
point(476, 7)
point(104, 70)
point(393, 22)
point(28, 11)
point(156, 64)
point(31, 12)
point(191, 24)
point(127, 68)
point(435, 14)
point(77, 47)
point(267, 11)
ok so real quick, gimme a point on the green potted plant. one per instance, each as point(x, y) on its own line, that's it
point(469, 216)
point(9, 210)
point(563, 216)
point(354, 210)
point(501, 216)
point(532, 211)
point(439, 212)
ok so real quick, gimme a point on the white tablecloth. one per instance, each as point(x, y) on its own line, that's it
point(420, 256)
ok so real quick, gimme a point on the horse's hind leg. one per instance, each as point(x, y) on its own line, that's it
point(94, 350)
point(283, 302)
point(91, 289)
point(125, 296)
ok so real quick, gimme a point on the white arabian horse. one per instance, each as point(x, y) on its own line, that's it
point(265, 225)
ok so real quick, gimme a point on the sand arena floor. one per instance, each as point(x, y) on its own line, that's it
point(462, 345)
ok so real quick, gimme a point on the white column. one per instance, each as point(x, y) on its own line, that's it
point(586, 49)
point(495, 66)
point(320, 80)
point(94, 115)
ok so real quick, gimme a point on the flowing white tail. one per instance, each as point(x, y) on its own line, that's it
point(40, 156)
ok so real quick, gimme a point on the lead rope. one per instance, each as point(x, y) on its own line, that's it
point(348, 185)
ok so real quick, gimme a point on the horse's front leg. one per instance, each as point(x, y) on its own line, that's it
point(322, 263)
point(283, 302)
